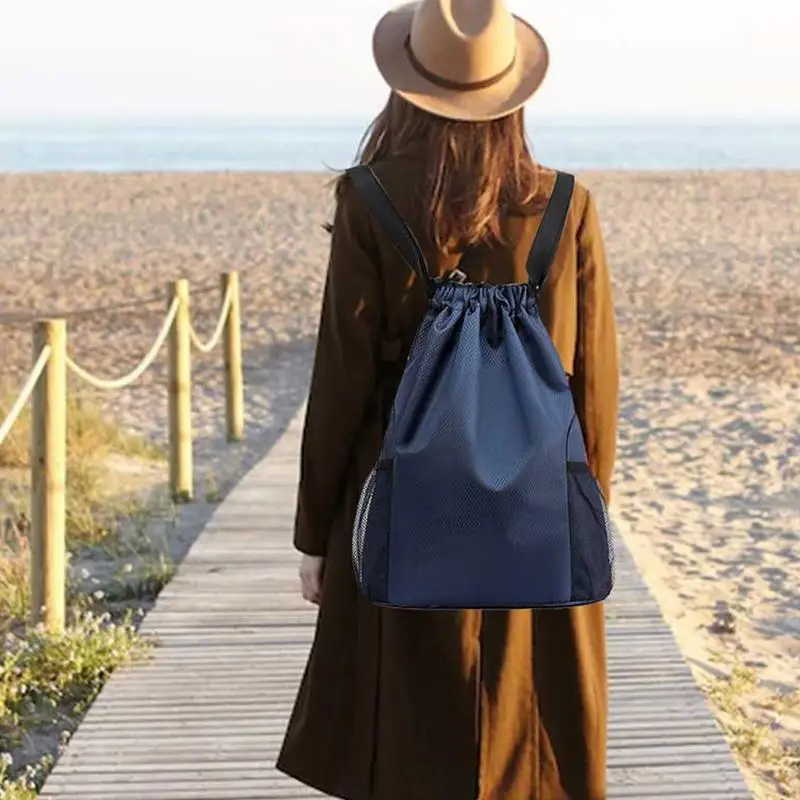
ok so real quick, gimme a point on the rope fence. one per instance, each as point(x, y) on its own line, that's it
point(46, 389)
point(25, 393)
point(137, 371)
point(126, 308)
point(208, 346)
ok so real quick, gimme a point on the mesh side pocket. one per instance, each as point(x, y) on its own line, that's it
point(371, 533)
point(591, 536)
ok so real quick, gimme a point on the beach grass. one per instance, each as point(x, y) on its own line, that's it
point(751, 716)
point(48, 680)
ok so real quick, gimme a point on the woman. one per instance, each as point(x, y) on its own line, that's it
point(404, 705)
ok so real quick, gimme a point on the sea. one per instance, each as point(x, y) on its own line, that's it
point(198, 145)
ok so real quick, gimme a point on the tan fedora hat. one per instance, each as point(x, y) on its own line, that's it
point(461, 59)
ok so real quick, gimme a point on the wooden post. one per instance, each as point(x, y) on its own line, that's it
point(180, 397)
point(48, 478)
point(232, 353)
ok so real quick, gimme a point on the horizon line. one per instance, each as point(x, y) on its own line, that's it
point(353, 120)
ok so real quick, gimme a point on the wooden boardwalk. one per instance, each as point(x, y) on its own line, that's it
point(204, 719)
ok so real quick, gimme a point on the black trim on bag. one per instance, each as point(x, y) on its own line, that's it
point(595, 503)
point(577, 466)
point(386, 465)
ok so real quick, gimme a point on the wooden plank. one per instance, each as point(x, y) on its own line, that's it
point(204, 719)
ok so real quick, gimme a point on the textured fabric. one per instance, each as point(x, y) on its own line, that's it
point(463, 705)
point(477, 513)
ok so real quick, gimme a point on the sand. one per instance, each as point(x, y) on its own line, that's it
point(705, 271)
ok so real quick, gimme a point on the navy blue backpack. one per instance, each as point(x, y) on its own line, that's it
point(482, 496)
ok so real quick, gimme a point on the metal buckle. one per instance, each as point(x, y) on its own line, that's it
point(457, 276)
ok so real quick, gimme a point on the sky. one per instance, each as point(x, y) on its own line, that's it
point(300, 59)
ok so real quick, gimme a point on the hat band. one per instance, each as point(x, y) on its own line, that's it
point(446, 83)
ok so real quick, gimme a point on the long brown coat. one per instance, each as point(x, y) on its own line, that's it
point(415, 705)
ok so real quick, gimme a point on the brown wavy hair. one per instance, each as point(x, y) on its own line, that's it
point(472, 171)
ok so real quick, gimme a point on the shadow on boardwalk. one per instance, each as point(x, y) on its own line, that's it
point(276, 382)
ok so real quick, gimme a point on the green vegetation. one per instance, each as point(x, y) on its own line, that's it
point(750, 716)
point(116, 569)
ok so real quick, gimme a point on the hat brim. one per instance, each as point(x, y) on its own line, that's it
point(476, 105)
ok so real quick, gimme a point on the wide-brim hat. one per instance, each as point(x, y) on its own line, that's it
point(469, 60)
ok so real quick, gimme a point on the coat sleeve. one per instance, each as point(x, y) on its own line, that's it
point(344, 373)
point(595, 382)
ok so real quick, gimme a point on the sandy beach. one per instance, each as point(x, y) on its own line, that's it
point(705, 271)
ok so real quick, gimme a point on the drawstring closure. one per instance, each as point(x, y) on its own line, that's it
point(491, 301)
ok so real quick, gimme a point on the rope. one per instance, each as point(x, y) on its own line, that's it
point(8, 318)
point(134, 374)
point(26, 392)
point(208, 346)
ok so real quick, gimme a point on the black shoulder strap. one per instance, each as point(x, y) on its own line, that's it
point(543, 249)
point(379, 203)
